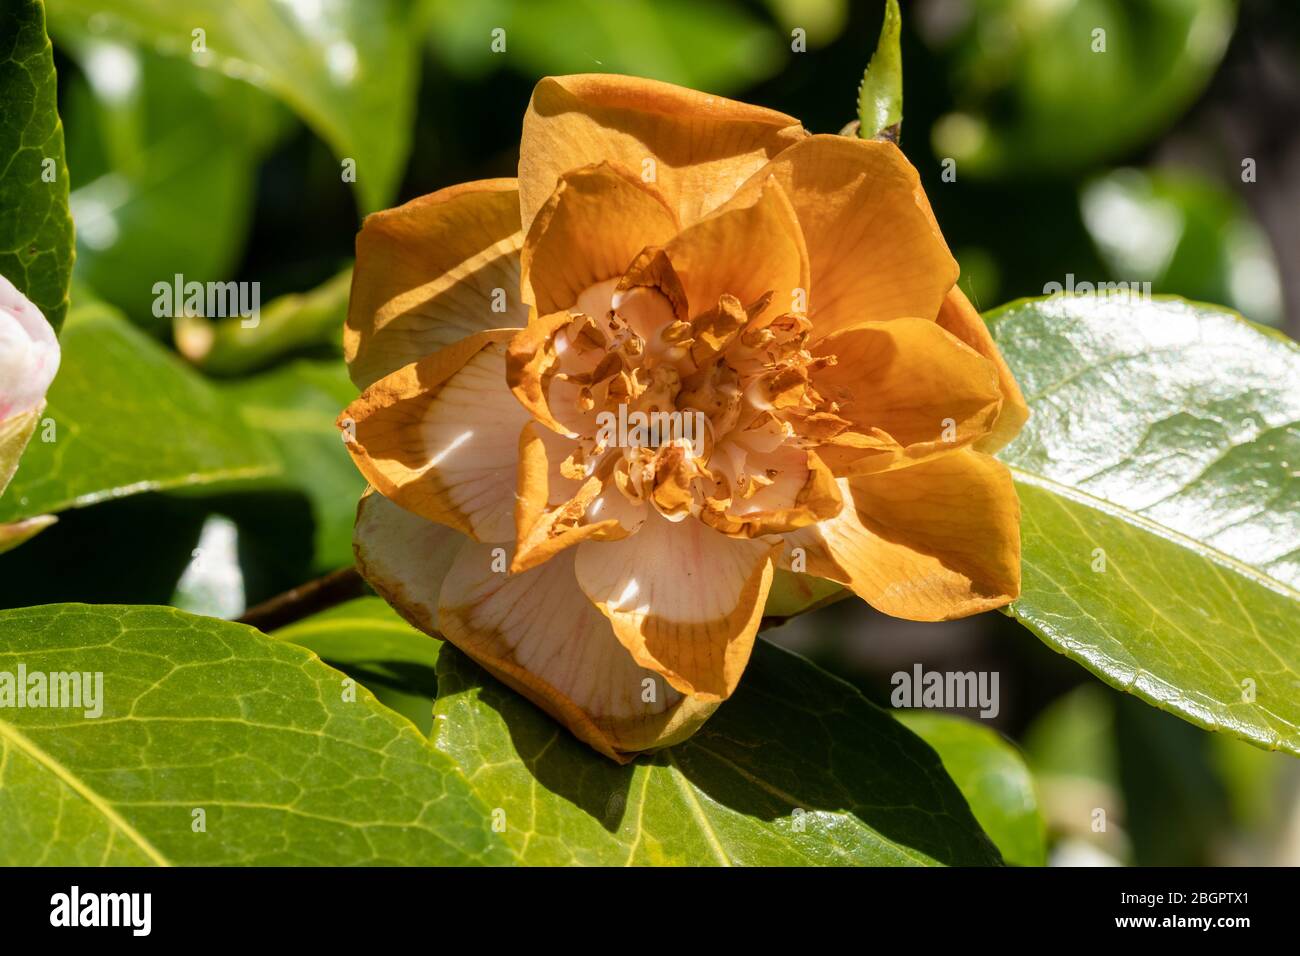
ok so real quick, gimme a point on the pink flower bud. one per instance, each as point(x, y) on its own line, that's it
point(29, 353)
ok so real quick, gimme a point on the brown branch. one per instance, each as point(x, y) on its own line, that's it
point(305, 600)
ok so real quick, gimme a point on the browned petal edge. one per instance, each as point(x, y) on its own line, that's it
point(652, 269)
point(735, 633)
point(392, 590)
point(529, 361)
point(818, 500)
point(536, 541)
point(423, 380)
point(619, 739)
point(366, 307)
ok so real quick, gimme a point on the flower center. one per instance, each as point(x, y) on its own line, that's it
point(693, 416)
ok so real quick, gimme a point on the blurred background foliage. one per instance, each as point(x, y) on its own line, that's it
point(1166, 150)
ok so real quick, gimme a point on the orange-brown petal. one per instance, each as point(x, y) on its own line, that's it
point(909, 379)
point(746, 250)
point(537, 632)
point(433, 271)
point(404, 557)
point(440, 437)
point(934, 541)
point(803, 492)
point(685, 600)
point(547, 519)
point(590, 229)
point(874, 247)
point(959, 317)
point(696, 148)
point(531, 362)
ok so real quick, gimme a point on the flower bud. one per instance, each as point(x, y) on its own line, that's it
point(29, 353)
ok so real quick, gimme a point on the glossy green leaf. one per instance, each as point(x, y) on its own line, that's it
point(348, 69)
point(368, 642)
point(125, 416)
point(36, 247)
point(880, 97)
point(294, 406)
point(992, 776)
point(1054, 87)
point(289, 762)
point(796, 769)
point(1161, 507)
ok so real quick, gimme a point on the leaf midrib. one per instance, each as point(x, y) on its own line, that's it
point(1163, 531)
point(82, 789)
point(697, 811)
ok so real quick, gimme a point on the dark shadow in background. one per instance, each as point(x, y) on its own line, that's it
point(134, 550)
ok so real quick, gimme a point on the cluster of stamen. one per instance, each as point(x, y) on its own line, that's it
point(740, 374)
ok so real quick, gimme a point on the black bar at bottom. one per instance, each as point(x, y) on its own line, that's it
point(534, 906)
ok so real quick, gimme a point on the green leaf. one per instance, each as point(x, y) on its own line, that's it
point(797, 768)
point(200, 714)
point(821, 20)
point(1073, 754)
point(992, 776)
point(295, 406)
point(717, 46)
point(163, 159)
point(368, 642)
point(1161, 508)
point(348, 69)
point(880, 97)
point(125, 416)
point(288, 324)
point(1039, 89)
point(1175, 810)
point(1183, 232)
point(36, 248)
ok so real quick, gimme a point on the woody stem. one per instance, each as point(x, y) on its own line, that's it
point(305, 600)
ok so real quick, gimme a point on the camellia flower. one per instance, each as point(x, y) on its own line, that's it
point(780, 306)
